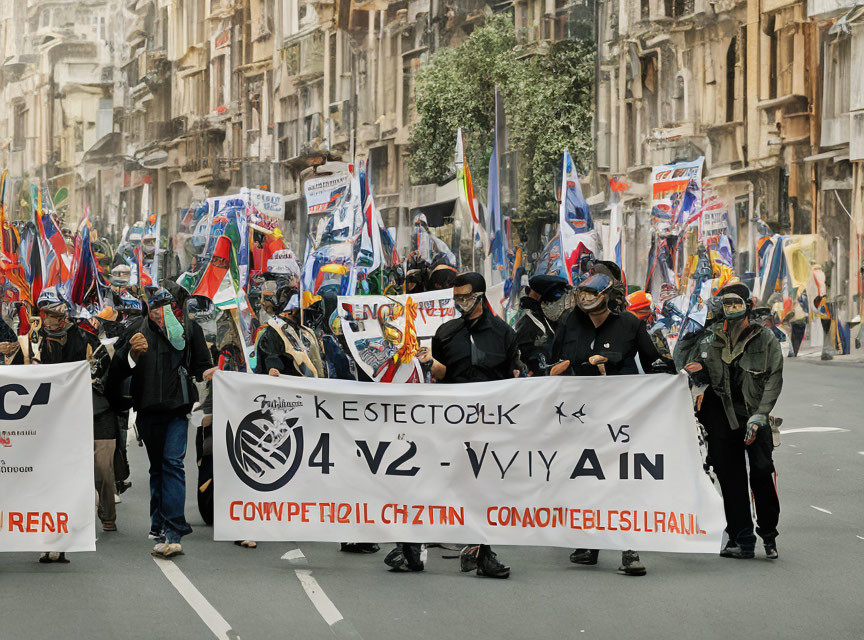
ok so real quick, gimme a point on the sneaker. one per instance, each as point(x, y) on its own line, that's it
point(631, 565)
point(159, 536)
point(771, 550)
point(735, 551)
point(109, 525)
point(122, 485)
point(585, 556)
point(489, 566)
point(167, 549)
point(359, 547)
point(468, 557)
point(406, 557)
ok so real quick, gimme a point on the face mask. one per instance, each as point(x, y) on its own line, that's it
point(173, 328)
point(734, 308)
point(54, 325)
point(554, 310)
point(591, 302)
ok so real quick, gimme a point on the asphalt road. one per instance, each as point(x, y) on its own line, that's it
point(219, 590)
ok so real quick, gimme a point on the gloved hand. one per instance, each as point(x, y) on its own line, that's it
point(756, 422)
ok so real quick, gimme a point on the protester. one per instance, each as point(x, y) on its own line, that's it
point(54, 339)
point(544, 303)
point(594, 340)
point(476, 347)
point(285, 346)
point(743, 367)
point(162, 357)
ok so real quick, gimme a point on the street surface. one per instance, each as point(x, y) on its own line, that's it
point(291, 591)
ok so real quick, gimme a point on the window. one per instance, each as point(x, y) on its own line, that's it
point(333, 95)
point(731, 62)
point(218, 81)
point(379, 158)
point(645, 9)
point(20, 126)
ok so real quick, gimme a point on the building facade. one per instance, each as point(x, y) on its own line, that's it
point(763, 90)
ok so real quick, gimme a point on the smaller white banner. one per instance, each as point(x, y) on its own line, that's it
point(266, 202)
point(384, 333)
point(46, 458)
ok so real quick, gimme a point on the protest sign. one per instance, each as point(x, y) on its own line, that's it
point(385, 332)
point(568, 462)
point(46, 458)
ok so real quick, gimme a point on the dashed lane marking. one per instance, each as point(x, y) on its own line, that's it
point(338, 624)
point(208, 614)
point(814, 430)
point(820, 509)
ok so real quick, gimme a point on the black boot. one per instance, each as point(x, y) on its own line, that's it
point(407, 557)
point(585, 556)
point(732, 550)
point(631, 565)
point(359, 547)
point(771, 550)
point(488, 565)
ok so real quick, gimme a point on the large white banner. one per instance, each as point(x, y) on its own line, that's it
point(46, 458)
point(384, 333)
point(605, 462)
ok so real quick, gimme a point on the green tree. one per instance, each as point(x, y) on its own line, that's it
point(548, 101)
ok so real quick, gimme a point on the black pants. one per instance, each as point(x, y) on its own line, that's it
point(729, 457)
point(798, 331)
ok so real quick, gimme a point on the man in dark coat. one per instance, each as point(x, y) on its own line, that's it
point(594, 340)
point(544, 303)
point(477, 347)
point(162, 357)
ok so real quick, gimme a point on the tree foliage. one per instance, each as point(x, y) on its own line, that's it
point(547, 101)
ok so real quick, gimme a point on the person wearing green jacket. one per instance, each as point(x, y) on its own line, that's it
point(742, 364)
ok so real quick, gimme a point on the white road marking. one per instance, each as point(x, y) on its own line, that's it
point(820, 509)
point(860, 537)
point(294, 555)
point(817, 405)
point(217, 624)
point(861, 453)
point(814, 430)
point(316, 594)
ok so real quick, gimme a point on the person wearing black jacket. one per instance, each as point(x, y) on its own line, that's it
point(594, 340)
point(542, 306)
point(161, 357)
point(477, 347)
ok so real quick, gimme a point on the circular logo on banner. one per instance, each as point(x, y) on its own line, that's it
point(265, 454)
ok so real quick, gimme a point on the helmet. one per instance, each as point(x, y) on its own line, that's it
point(592, 294)
point(639, 303)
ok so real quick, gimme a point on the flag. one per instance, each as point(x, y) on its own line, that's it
point(576, 227)
point(86, 281)
point(220, 279)
point(614, 247)
point(463, 176)
point(498, 244)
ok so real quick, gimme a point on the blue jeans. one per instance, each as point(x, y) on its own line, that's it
point(165, 439)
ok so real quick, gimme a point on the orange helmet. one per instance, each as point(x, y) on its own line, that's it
point(639, 303)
